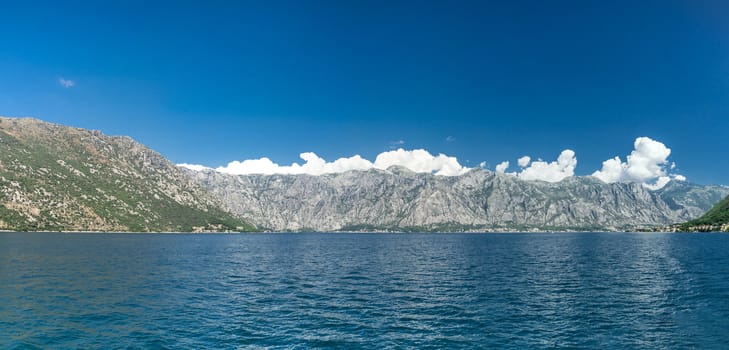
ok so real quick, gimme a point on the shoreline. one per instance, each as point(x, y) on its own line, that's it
point(362, 232)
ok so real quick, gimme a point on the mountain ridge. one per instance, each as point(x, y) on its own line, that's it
point(479, 200)
point(60, 178)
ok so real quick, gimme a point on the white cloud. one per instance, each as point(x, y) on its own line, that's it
point(646, 164)
point(195, 167)
point(450, 139)
point(660, 182)
point(524, 161)
point(501, 167)
point(612, 170)
point(555, 171)
point(67, 83)
point(418, 160)
point(313, 165)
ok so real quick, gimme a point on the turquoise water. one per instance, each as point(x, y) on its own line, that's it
point(375, 291)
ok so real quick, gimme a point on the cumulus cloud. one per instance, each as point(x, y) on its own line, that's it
point(555, 171)
point(660, 182)
point(418, 160)
point(196, 167)
point(313, 165)
point(646, 164)
point(67, 83)
point(524, 161)
point(501, 167)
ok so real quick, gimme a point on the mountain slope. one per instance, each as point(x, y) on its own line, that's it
point(398, 199)
point(55, 177)
point(716, 219)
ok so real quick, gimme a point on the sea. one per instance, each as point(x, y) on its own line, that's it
point(364, 291)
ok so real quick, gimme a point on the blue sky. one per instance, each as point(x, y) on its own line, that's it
point(210, 82)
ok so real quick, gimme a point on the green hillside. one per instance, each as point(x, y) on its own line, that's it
point(716, 219)
point(57, 178)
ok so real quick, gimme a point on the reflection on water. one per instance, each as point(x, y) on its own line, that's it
point(364, 290)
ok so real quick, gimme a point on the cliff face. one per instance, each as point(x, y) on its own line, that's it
point(54, 177)
point(398, 199)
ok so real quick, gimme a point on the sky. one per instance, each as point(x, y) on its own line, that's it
point(221, 82)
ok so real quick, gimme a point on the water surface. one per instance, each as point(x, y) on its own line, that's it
point(514, 291)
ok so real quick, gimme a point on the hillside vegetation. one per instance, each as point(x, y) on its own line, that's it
point(58, 178)
point(716, 219)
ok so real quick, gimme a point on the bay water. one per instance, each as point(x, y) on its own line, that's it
point(366, 291)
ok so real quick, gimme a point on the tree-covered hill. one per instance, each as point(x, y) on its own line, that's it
point(716, 219)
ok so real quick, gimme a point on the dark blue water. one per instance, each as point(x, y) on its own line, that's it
point(372, 291)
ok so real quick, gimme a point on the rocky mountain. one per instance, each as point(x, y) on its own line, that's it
point(716, 219)
point(54, 177)
point(398, 199)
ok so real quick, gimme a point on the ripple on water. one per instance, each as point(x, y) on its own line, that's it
point(364, 291)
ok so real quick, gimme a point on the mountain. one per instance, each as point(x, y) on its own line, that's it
point(401, 200)
point(716, 219)
point(54, 177)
